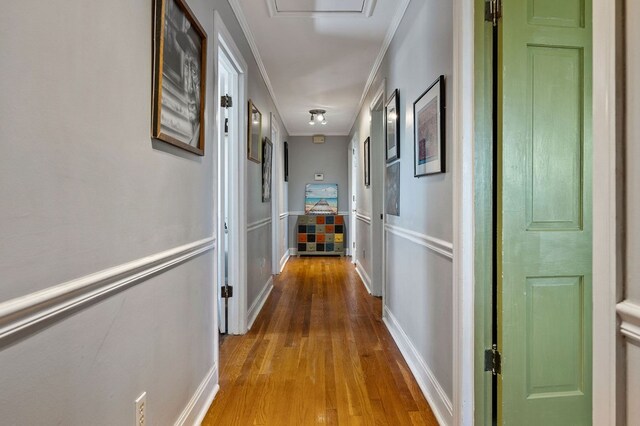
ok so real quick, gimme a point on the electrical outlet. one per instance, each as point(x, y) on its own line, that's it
point(141, 408)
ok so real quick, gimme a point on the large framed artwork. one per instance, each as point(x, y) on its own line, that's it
point(428, 129)
point(267, 161)
point(254, 133)
point(367, 162)
point(180, 58)
point(321, 198)
point(392, 193)
point(392, 139)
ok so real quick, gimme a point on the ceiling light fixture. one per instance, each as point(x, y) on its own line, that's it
point(317, 115)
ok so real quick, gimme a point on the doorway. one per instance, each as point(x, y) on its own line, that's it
point(377, 171)
point(539, 283)
point(230, 222)
point(353, 191)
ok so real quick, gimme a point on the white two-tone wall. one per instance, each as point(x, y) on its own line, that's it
point(419, 256)
point(107, 238)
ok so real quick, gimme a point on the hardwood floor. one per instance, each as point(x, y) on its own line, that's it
point(318, 353)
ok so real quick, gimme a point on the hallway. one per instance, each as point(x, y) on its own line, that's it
point(318, 353)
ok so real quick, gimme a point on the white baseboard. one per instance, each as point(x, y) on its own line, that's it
point(293, 251)
point(257, 305)
point(433, 392)
point(363, 276)
point(285, 259)
point(196, 409)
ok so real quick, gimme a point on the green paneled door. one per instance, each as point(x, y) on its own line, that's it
point(544, 213)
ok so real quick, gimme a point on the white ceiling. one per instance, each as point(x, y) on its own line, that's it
point(319, 54)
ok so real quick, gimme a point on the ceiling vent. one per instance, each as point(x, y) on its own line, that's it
point(320, 8)
point(318, 139)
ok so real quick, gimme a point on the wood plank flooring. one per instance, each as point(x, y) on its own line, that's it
point(318, 353)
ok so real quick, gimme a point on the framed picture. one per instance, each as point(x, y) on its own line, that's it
point(254, 132)
point(286, 161)
point(367, 162)
point(321, 198)
point(267, 160)
point(428, 131)
point(179, 65)
point(392, 140)
point(392, 193)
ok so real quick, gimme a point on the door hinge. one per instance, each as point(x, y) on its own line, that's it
point(493, 11)
point(225, 101)
point(227, 291)
point(493, 360)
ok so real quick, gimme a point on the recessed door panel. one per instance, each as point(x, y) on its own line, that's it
point(544, 213)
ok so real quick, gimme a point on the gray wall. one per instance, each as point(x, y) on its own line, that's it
point(419, 284)
point(305, 160)
point(84, 188)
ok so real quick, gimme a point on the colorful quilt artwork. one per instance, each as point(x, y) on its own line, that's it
point(321, 198)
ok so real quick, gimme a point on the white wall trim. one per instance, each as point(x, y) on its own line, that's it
point(242, 20)
point(284, 215)
point(431, 388)
point(285, 259)
point(293, 251)
point(463, 117)
point(630, 314)
point(23, 314)
point(393, 28)
point(363, 218)
point(437, 245)
point(198, 406)
point(364, 276)
point(257, 305)
point(258, 224)
point(606, 404)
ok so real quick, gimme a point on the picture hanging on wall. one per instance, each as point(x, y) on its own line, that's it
point(392, 192)
point(179, 64)
point(267, 160)
point(254, 133)
point(321, 198)
point(392, 139)
point(367, 163)
point(286, 161)
point(428, 128)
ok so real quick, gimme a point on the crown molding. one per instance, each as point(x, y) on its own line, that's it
point(242, 20)
point(393, 28)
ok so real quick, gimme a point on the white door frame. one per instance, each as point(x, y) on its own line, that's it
point(463, 211)
point(608, 395)
point(380, 97)
point(223, 42)
point(353, 206)
point(276, 177)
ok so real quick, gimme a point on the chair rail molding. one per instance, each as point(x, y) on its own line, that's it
point(23, 315)
point(258, 224)
point(437, 245)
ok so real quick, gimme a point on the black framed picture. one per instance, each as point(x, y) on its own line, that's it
point(367, 162)
point(267, 160)
point(392, 121)
point(179, 76)
point(428, 130)
point(286, 161)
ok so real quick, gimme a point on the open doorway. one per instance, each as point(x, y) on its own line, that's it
point(231, 215)
point(353, 201)
point(378, 170)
